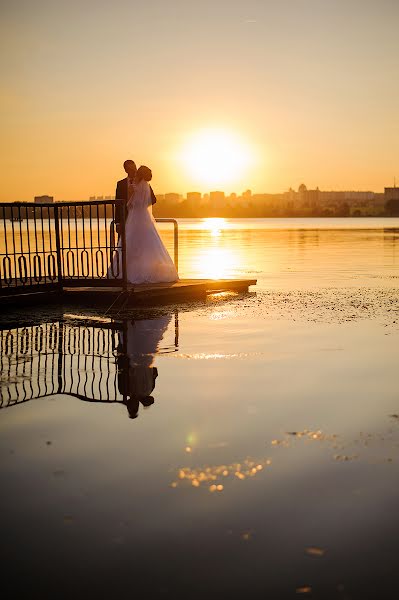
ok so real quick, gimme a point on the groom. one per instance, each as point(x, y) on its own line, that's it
point(124, 189)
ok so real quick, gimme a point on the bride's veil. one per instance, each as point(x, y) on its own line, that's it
point(142, 197)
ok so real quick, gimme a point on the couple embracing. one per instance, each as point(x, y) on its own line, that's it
point(147, 259)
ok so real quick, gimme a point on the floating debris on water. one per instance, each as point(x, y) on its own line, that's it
point(305, 589)
point(59, 473)
point(315, 551)
point(345, 457)
point(314, 435)
point(68, 519)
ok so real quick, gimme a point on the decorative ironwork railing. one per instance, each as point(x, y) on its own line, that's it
point(48, 246)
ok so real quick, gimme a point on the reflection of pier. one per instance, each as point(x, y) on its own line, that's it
point(95, 362)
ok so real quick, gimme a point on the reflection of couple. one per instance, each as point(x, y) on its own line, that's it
point(147, 259)
point(138, 344)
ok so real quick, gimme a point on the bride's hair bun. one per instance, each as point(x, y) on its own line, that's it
point(144, 172)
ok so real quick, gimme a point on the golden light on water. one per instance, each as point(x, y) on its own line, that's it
point(215, 263)
point(215, 225)
point(216, 157)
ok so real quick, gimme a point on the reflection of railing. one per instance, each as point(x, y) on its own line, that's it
point(86, 361)
point(47, 246)
point(89, 362)
point(24, 352)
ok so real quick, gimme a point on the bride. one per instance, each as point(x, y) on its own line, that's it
point(147, 259)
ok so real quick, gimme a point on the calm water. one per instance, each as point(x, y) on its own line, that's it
point(278, 252)
point(245, 446)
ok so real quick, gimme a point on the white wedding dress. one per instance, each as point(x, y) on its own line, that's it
point(147, 259)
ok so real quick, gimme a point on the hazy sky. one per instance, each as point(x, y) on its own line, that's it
point(312, 86)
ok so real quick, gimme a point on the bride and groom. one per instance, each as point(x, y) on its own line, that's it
point(147, 259)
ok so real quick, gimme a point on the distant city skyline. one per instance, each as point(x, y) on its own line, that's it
point(303, 202)
point(199, 195)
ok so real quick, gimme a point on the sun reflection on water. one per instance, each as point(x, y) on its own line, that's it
point(215, 225)
point(215, 263)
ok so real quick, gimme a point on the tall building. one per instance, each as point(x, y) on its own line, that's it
point(391, 193)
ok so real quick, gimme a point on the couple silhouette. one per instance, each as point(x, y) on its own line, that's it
point(147, 259)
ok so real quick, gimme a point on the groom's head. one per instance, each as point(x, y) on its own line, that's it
point(130, 167)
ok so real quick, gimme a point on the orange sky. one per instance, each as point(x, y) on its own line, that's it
point(310, 86)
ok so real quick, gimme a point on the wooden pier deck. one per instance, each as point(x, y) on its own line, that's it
point(158, 293)
point(184, 290)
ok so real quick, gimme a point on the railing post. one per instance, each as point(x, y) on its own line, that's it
point(123, 234)
point(58, 246)
point(176, 244)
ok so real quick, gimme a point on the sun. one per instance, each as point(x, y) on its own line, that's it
point(216, 157)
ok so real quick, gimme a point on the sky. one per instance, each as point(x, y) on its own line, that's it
point(309, 88)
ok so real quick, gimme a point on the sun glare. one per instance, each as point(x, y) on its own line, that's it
point(215, 263)
point(215, 225)
point(216, 157)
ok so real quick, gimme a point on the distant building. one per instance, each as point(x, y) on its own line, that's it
point(391, 193)
point(44, 199)
point(391, 201)
point(172, 198)
point(193, 199)
point(361, 196)
point(194, 196)
point(268, 200)
point(217, 199)
point(308, 198)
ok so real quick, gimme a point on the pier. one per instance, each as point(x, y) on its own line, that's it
point(62, 252)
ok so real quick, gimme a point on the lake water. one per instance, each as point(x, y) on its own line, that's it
point(246, 446)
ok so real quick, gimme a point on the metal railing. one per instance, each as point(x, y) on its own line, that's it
point(52, 245)
point(175, 239)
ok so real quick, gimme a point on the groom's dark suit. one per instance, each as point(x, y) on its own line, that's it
point(121, 194)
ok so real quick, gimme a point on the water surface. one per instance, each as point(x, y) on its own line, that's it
point(246, 446)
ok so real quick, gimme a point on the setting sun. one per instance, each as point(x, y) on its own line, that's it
point(216, 157)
